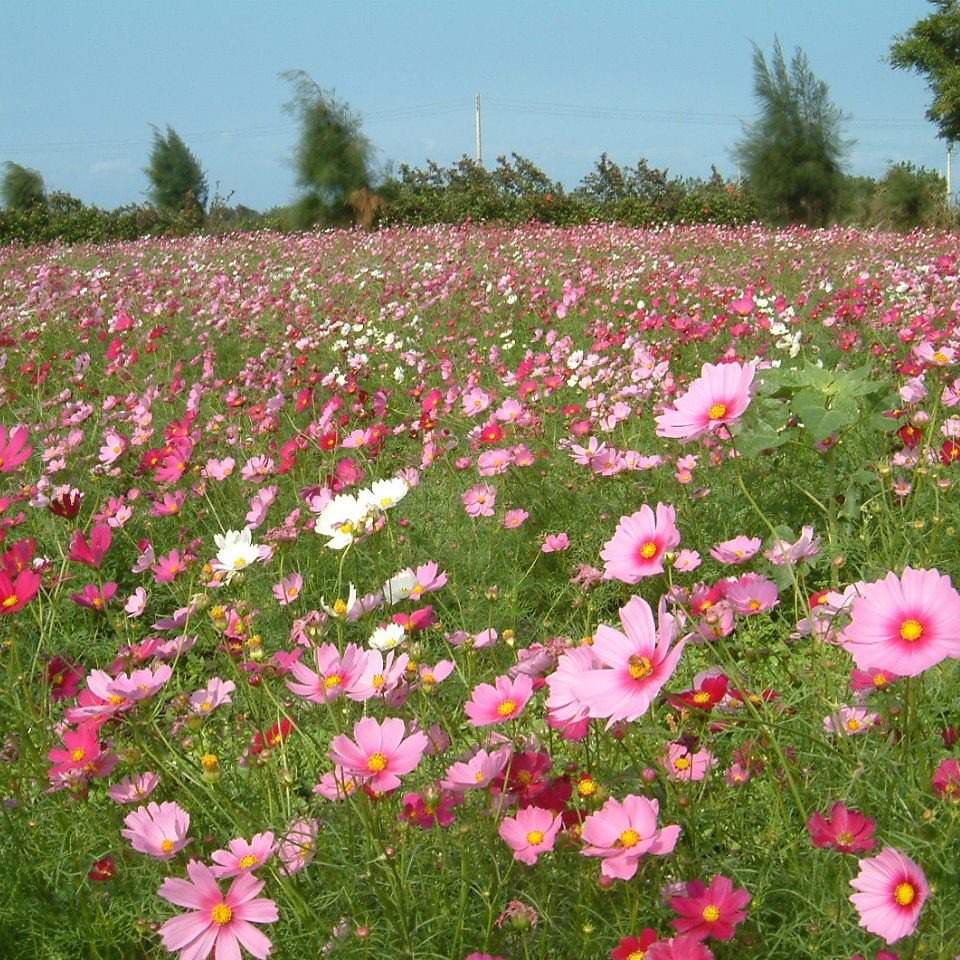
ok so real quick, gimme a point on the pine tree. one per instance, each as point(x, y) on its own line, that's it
point(21, 189)
point(176, 177)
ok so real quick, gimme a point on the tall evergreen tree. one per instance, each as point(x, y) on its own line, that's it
point(175, 173)
point(332, 158)
point(21, 189)
point(932, 47)
point(793, 153)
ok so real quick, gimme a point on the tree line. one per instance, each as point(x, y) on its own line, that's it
point(792, 158)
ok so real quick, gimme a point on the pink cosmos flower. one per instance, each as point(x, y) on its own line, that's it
point(531, 832)
point(381, 752)
point(433, 808)
point(682, 765)
point(288, 589)
point(845, 830)
point(678, 948)
point(298, 847)
point(738, 550)
point(892, 890)
point(92, 596)
point(478, 771)
point(215, 694)
point(91, 553)
point(687, 560)
point(709, 911)
point(638, 544)
point(515, 518)
point(16, 593)
point(637, 663)
point(158, 829)
point(554, 542)
point(81, 751)
point(622, 833)
point(752, 594)
point(564, 705)
point(716, 399)
point(806, 548)
point(946, 780)
point(135, 788)
point(168, 568)
point(63, 678)
point(335, 674)
point(14, 449)
point(851, 721)
point(243, 856)
point(136, 602)
point(216, 922)
point(907, 624)
point(479, 501)
point(500, 702)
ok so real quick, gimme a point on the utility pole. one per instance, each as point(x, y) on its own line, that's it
point(479, 134)
point(949, 173)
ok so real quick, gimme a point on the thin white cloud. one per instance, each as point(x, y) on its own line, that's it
point(110, 166)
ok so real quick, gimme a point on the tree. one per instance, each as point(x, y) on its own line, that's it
point(333, 158)
point(177, 180)
point(932, 47)
point(21, 189)
point(793, 154)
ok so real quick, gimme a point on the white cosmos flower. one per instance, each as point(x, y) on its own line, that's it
point(342, 519)
point(340, 608)
point(384, 494)
point(235, 550)
point(387, 636)
point(400, 587)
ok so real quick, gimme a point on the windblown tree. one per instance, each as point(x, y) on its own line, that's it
point(21, 189)
point(333, 158)
point(793, 153)
point(932, 47)
point(176, 178)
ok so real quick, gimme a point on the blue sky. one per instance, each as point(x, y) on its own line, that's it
point(560, 82)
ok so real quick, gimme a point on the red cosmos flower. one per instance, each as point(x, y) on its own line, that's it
point(949, 452)
point(705, 697)
point(631, 948)
point(946, 780)
point(67, 505)
point(527, 776)
point(710, 911)
point(273, 737)
point(328, 441)
point(104, 869)
point(418, 620)
point(91, 553)
point(910, 435)
point(14, 449)
point(845, 831)
point(491, 433)
point(63, 679)
point(18, 557)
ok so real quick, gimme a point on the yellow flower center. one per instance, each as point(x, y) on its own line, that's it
point(682, 763)
point(754, 604)
point(166, 846)
point(78, 754)
point(534, 837)
point(845, 838)
point(506, 708)
point(9, 601)
point(880, 680)
point(248, 861)
point(221, 914)
point(206, 705)
point(905, 894)
point(629, 838)
point(209, 761)
point(911, 630)
point(711, 913)
point(334, 680)
point(339, 608)
point(648, 550)
point(525, 777)
point(717, 411)
point(701, 697)
point(478, 776)
point(853, 724)
point(640, 667)
point(237, 564)
point(586, 788)
point(113, 698)
point(428, 678)
point(377, 762)
point(346, 527)
point(637, 955)
point(941, 357)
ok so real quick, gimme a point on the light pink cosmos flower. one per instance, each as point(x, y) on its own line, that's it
point(288, 589)
point(479, 501)
point(140, 684)
point(564, 705)
point(515, 518)
point(738, 550)
point(851, 721)
point(243, 856)
point(502, 701)
point(687, 560)
point(158, 829)
point(554, 542)
point(638, 544)
point(531, 832)
point(682, 765)
point(806, 548)
point(335, 674)
point(135, 788)
point(678, 948)
point(906, 624)
point(215, 694)
point(477, 771)
point(637, 663)
point(216, 922)
point(136, 602)
point(716, 399)
point(892, 890)
point(752, 594)
point(622, 833)
point(381, 752)
point(298, 847)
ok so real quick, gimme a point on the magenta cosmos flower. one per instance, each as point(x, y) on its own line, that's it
point(638, 544)
point(215, 921)
point(678, 948)
point(636, 664)
point(380, 752)
point(907, 624)
point(845, 830)
point(243, 856)
point(504, 700)
point(892, 889)
point(709, 911)
point(717, 398)
point(622, 833)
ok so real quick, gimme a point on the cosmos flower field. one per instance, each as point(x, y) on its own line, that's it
point(472, 592)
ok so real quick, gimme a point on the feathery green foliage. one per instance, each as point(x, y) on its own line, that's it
point(932, 47)
point(175, 173)
point(333, 157)
point(21, 189)
point(793, 154)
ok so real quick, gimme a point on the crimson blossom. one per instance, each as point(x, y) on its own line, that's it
point(709, 911)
